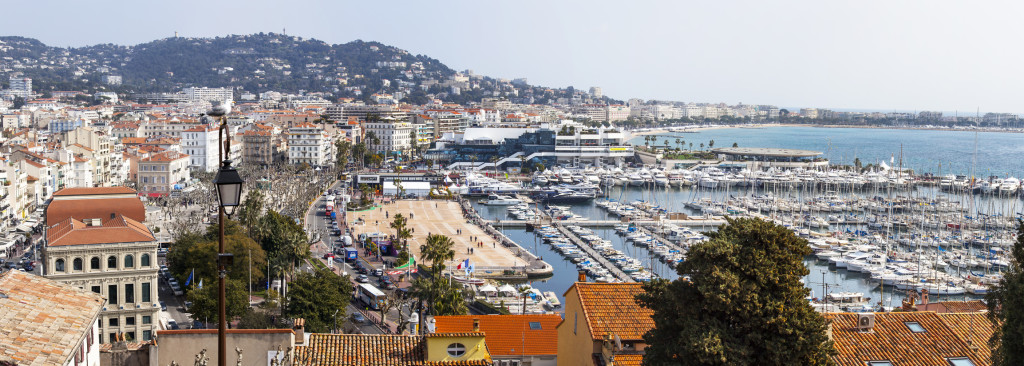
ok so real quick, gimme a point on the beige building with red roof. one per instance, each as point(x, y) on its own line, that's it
point(43, 322)
point(516, 339)
point(911, 338)
point(96, 241)
point(603, 325)
point(159, 173)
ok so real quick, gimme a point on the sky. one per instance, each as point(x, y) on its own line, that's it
point(877, 55)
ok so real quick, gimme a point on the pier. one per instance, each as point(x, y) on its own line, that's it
point(606, 223)
point(614, 270)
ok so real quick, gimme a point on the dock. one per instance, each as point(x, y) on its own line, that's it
point(615, 271)
point(662, 240)
point(607, 223)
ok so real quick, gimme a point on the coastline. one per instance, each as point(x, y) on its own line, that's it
point(686, 129)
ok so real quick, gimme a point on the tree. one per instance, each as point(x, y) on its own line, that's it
point(251, 210)
point(711, 144)
point(402, 233)
point(204, 301)
point(198, 252)
point(738, 301)
point(735, 144)
point(343, 150)
point(320, 298)
point(691, 146)
point(702, 146)
point(443, 296)
point(1006, 308)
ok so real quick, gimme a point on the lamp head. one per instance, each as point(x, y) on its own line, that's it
point(229, 187)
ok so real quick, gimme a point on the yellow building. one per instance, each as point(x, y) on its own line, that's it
point(457, 349)
point(604, 325)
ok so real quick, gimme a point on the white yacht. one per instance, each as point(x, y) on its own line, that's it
point(500, 200)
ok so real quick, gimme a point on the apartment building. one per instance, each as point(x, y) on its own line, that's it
point(392, 133)
point(160, 173)
point(257, 147)
point(200, 143)
point(96, 241)
point(308, 143)
point(204, 94)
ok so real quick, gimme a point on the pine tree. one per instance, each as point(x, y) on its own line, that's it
point(738, 301)
point(1006, 309)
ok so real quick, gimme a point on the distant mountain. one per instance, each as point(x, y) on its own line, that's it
point(255, 63)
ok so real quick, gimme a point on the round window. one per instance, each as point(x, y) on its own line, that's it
point(456, 349)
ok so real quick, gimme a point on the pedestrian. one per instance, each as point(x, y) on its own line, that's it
point(495, 245)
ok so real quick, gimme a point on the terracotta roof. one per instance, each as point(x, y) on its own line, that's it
point(974, 329)
point(629, 360)
point(611, 309)
point(43, 321)
point(85, 191)
point(119, 229)
point(166, 156)
point(369, 349)
point(964, 306)
point(95, 208)
point(35, 164)
point(509, 334)
point(892, 340)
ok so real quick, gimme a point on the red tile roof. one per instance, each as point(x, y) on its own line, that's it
point(84, 191)
point(43, 320)
point(611, 309)
point(94, 208)
point(891, 340)
point(166, 156)
point(974, 329)
point(364, 349)
point(119, 229)
point(509, 334)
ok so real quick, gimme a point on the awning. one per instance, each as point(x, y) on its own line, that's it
point(25, 227)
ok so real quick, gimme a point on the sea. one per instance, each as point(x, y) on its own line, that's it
point(925, 151)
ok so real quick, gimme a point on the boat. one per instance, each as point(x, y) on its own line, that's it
point(552, 299)
point(500, 200)
point(468, 280)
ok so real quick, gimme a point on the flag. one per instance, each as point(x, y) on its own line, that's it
point(189, 280)
point(462, 265)
point(200, 284)
point(471, 267)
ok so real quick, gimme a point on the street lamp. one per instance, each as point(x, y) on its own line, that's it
point(229, 192)
point(229, 187)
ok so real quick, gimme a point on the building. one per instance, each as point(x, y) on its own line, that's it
point(47, 323)
point(514, 340)
point(603, 325)
point(257, 147)
point(101, 247)
point(394, 135)
point(308, 143)
point(461, 349)
point(162, 173)
point(204, 94)
point(595, 91)
point(259, 345)
point(93, 145)
point(20, 87)
point(201, 145)
point(911, 338)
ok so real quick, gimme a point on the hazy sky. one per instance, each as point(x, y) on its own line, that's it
point(883, 55)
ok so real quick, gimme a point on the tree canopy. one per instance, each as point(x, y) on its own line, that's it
point(443, 296)
point(198, 251)
point(1006, 309)
point(738, 301)
point(204, 301)
point(316, 296)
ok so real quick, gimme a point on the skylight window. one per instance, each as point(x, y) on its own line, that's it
point(960, 361)
point(879, 363)
point(915, 327)
point(535, 325)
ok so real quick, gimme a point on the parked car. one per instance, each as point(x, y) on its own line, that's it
point(172, 325)
point(362, 278)
point(163, 306)
point(378, 272)
point(198, 325)
point(358, 318)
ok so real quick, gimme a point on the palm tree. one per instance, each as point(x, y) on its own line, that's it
point(702, 146)
point(677, 143)
point(691, 146)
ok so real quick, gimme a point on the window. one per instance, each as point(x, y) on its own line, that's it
point(94, 263)
point(113, 322)
point(147, 335)
point(129, 320)
point(129, 261)
point(77, 264)
point(130, 337)
point(915, 327)
point(112, 337)
point(456, 349)
point(535, 325)
point(146, 319)
point(960, 361)
point(879, 363)
point(129, 293)
point(146, 292)
point(59, 265)
point(96, 289)
point(111, 262)
point(112, 294)
point(575, 319)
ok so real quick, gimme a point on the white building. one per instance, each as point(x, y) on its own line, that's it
point(20, 87)
point(200, 143)
point(205, 94)
point(308, 143)
point(393, 135)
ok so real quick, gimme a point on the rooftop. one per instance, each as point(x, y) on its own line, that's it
point(43, 321)
point(893, 339)
point(509, 334)
point(766, 151)
point(118, 229)
point(84, 191)
point(368, 349)
point(611, 310)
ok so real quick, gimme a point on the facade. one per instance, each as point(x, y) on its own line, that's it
point(257, 147)
point(98, 243)
point(159, 173)
point(181, 346)
point(596, 314)
point(308, 143)
point(204, 94)
point(393, 135)
point(96, 146)
point(20, 87)
point(48, 323)
point(512, 340)
point(200, 143)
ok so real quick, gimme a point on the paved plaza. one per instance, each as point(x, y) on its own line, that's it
point(437, 217)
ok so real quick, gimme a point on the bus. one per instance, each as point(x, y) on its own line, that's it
point(370, 295)
point(328, 208)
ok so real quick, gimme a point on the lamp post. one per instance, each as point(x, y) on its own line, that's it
point(229, 192)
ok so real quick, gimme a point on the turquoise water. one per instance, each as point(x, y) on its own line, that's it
point(999, 153)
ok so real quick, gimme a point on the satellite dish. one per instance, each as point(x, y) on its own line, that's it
point(618, 342)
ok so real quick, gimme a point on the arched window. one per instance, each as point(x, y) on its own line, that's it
point(59, 266)
point(144, 260)
point(77, 264)
point(129, 261)
point(111, 262)
point(456, 349)
point(94, 263)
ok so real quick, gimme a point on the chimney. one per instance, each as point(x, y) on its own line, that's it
point(924, 296)
point(582, 277)
point(476, 325)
